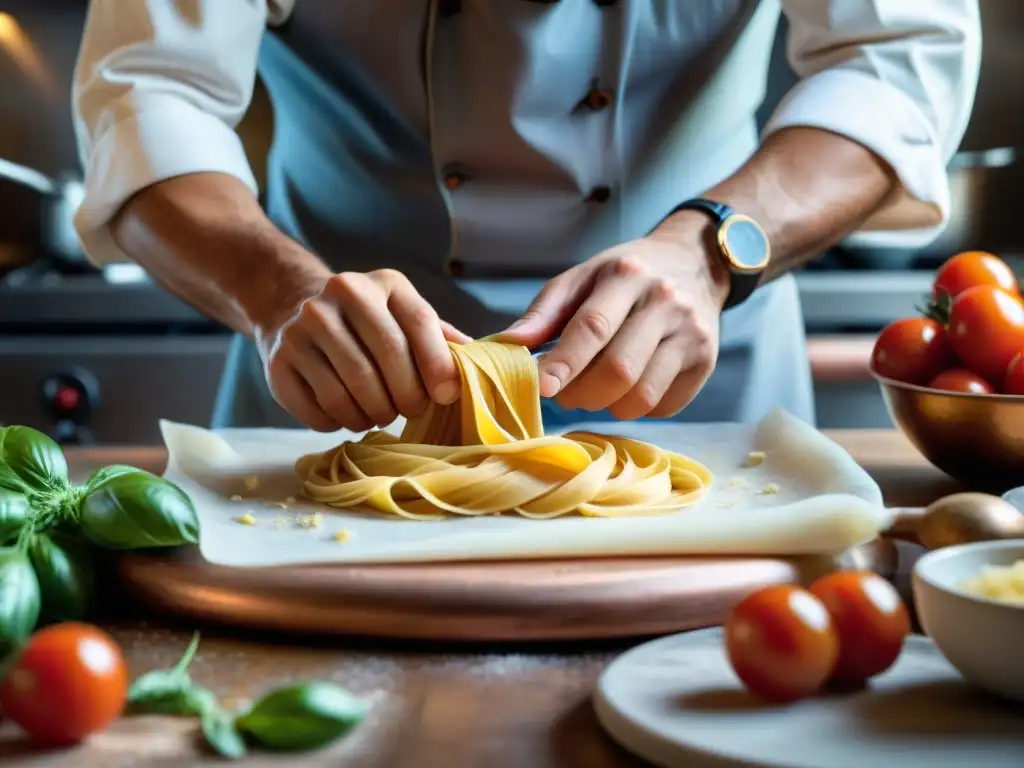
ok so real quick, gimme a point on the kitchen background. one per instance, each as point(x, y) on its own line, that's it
point(94, 356)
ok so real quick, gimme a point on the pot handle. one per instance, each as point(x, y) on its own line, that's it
point(28, 177)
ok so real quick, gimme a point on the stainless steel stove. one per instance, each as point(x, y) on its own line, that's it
point(101, 357)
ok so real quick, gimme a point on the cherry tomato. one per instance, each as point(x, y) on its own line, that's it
point(961, 380)
point(870, 619)
point(986, 329)
point(70, 681)
point(1013, 384)
point(966, 270)
point(781, 643)
point(914, 350)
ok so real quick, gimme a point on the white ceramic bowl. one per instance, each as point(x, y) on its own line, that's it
point(982, 638)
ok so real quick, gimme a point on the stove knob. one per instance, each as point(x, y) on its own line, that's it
point(71, 396)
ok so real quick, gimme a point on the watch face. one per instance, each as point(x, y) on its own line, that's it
point(744, 243)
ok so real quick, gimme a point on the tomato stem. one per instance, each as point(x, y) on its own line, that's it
point(937, 309)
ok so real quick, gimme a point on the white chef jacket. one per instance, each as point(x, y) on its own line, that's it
point(483, 145)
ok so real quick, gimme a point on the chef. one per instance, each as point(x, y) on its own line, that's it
point(447, 169)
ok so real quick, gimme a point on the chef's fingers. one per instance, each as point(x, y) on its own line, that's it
point(593, 325)
point(365, 304)
point(422, 328)
point(321, 331)
point(681, 392)
point(557, 301)
point(677, 373)
point(330, 393)
point(620, 365)
point(296, 396)
point(453, 334)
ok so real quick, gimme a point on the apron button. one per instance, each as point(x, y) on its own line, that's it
point(455, 267)
point(599, 195)
point(453, 179)
point(448, 8)
point(598, 99)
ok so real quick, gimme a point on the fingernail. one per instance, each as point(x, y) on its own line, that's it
point(446, 393)
point(552, 378)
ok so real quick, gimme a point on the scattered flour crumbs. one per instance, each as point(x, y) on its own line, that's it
point(315, 521)
point(402, 692)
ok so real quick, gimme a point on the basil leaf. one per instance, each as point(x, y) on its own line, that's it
point(30, 461)
point(63, 567)
point(302, 716)
point(19, 597)
point(136, 510)
point(103, 474)
point(14, 513)
point(171, 691)
point(221, 734)
point(170, 696)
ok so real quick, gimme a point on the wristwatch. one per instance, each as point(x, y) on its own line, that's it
point(742, 244)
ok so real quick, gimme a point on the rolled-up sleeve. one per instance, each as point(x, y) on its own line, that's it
point(159, 88)
point(898, 77)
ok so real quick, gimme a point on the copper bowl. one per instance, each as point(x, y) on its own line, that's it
point(977, 439)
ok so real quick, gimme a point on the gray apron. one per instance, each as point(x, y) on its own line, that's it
point(482, 146)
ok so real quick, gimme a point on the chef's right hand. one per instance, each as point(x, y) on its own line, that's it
point(363, 350)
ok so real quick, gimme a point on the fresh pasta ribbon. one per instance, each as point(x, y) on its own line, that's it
point(487, 453)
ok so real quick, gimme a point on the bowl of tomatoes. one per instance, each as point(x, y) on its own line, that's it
point(953, 376)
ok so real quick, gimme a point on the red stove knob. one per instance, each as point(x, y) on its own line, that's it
point(72, 395)
point(66, 399)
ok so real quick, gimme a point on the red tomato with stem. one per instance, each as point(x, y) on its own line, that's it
point(1013, 383)
point(781, 643)
point(961, 380)
point(913, 350)
point(70, 681)
point(870, 620)
point(966, 270)
point(986, 329)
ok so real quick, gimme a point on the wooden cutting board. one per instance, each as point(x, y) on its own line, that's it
point(494, 601)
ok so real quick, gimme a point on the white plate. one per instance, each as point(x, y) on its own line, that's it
point(676, 702)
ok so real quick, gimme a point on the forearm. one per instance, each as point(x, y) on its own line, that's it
point(204, 238)
point(808, 188)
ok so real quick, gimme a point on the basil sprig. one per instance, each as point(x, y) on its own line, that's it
point(128, 508)
point(20, 598)
point(49, 528)
point(297, 717)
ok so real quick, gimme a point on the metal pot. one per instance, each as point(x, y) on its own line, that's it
point(59, 199)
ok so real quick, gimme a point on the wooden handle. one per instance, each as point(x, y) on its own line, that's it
point(905, 522)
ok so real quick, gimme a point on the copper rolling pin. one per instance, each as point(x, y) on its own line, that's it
point(958, 519)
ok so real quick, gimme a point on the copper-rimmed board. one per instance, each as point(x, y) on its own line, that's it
point(493, 601)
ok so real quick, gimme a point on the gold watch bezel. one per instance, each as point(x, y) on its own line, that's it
point(723, 246)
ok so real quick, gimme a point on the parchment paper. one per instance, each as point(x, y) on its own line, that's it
point(807, 497)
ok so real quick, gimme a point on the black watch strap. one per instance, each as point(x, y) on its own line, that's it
point(741, 284)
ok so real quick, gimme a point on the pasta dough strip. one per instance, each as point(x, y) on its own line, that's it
point(487, 453)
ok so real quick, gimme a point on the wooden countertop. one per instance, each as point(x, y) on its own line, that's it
point(428, 702)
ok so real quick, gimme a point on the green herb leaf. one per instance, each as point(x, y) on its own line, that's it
point(63, 567)
point(14, 514)
point(302, 716)
point(161, 694)
point(103, 474)
point(221, 734)
point(19, 598)
point(30, 461)
point(171, 691)
point(135, 510)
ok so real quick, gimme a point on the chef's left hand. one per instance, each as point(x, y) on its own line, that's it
point(639, 324)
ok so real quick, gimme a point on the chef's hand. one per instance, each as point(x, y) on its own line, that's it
point(363, 350)
point(639, 325)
